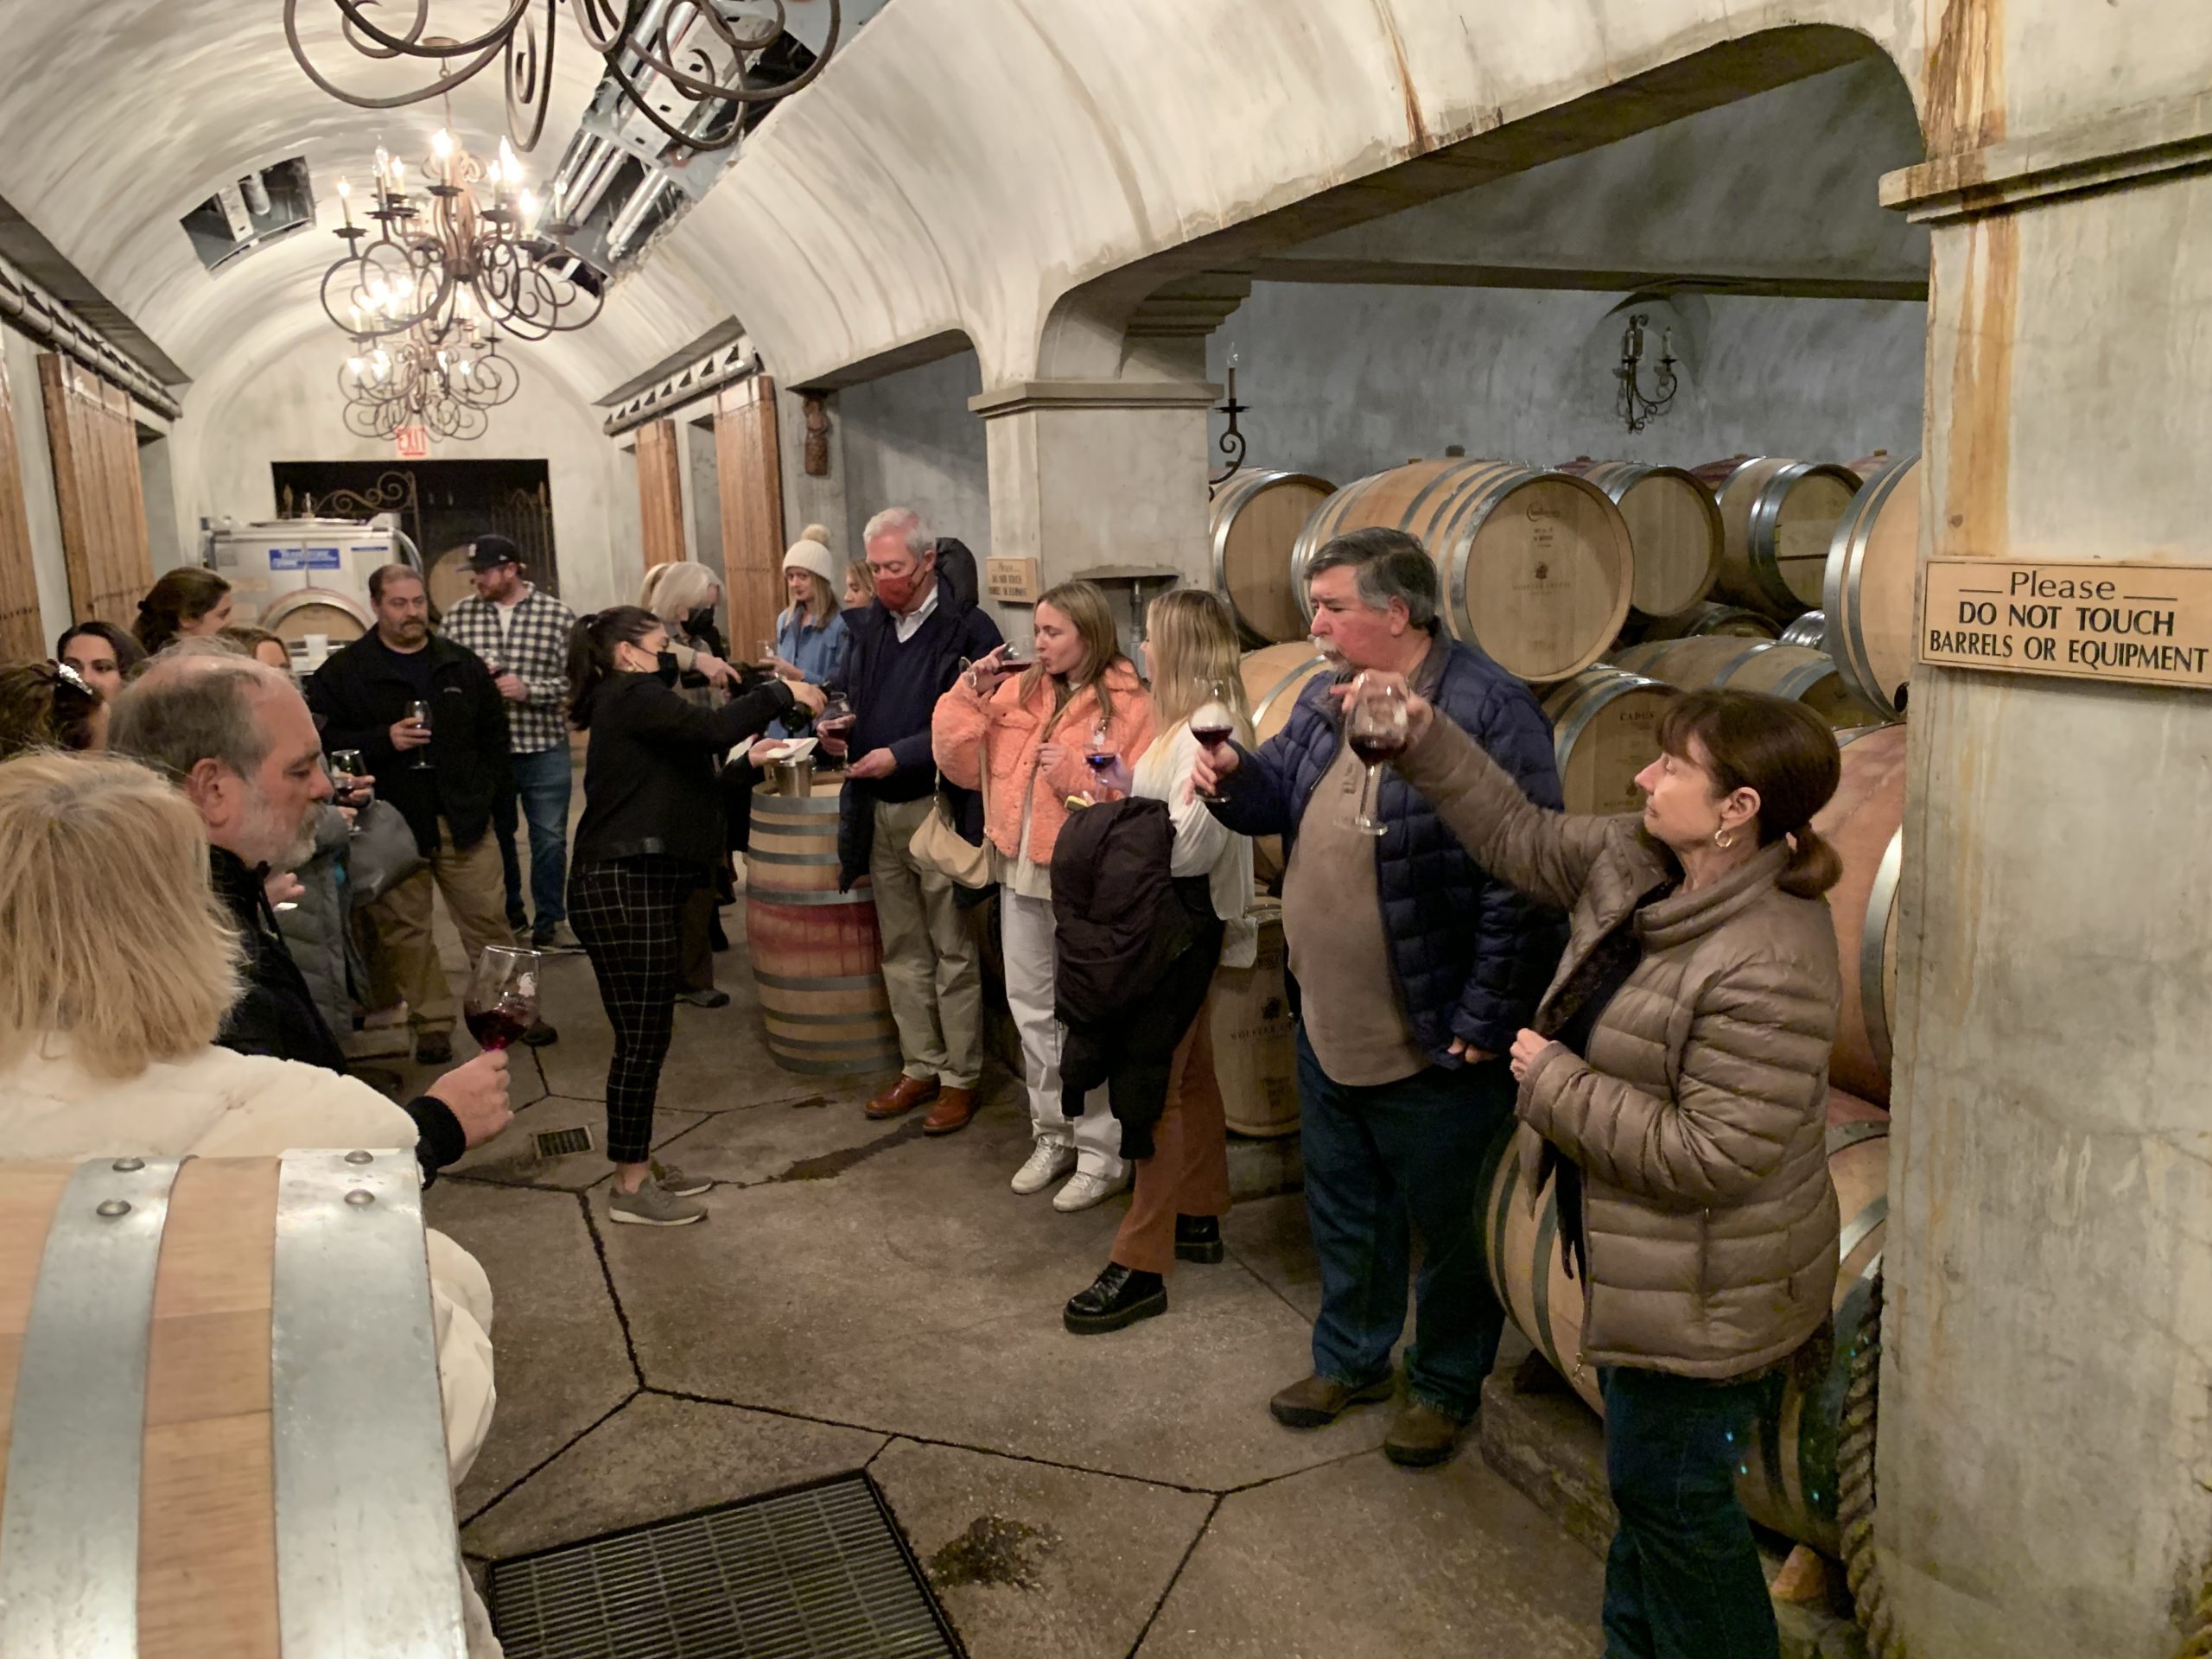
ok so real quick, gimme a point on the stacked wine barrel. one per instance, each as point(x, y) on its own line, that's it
point(1253, 525)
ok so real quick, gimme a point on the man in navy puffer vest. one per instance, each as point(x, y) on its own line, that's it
point(1411, 971)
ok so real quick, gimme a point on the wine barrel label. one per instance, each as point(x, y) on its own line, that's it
point(2135, 624)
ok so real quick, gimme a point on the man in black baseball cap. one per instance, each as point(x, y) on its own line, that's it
point(522, 634)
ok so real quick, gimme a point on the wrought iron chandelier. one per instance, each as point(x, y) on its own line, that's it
point(1634, 407)
point(468, 248)
point(704, 48)
point(445, 380)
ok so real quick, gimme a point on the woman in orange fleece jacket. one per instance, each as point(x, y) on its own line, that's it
point(1080, 697)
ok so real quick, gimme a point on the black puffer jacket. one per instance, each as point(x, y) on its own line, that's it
point(650, 785)
point(1470, 954)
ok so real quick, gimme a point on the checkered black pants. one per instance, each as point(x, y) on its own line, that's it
point(627, 913)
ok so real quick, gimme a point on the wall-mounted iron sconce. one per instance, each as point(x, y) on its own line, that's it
point(1636, 409)
point(1232, 441)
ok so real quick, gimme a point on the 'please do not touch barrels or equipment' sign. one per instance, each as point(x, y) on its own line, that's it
point(2137, 624)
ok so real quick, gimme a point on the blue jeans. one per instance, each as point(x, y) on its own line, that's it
point(541, 782)
point(1683, 1579)
point(1380, 1161)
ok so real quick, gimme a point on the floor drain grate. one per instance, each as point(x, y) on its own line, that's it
point(817, 1573)
point(559, 1143)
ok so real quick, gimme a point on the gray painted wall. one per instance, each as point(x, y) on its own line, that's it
point(1343, 381)
point(910, 441)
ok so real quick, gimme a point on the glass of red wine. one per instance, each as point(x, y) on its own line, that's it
point(1213, 725)
point(502, 1002)
point(1375, 726)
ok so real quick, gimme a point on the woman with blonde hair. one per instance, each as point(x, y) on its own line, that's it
point(1080, 697)
point(809, 634)
point(682, 594)
point(184, 604)
point(117, 968)
point(860, 584)
point(1182, 1187)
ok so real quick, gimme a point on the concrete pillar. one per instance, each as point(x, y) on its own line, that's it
point(1099, 476)
point(2045, 1462)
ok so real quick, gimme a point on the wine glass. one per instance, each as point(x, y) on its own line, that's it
point(1375, 728)
point(351, 763)
point(768, 657)
point(1098, 751)
point(836, 716)
point(420, 714)
point(1213, 725)
point(502, 1002)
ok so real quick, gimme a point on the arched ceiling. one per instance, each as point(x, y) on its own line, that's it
point(118, 117)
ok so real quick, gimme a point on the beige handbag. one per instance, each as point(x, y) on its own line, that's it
point(938, 845)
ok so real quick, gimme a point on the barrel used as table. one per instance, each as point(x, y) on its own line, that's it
point(1708, 618)
point(1273, 677)
point(1604, 731)
point(1253, 522)
point(1868, 590)
point(1254, 1058)
point(1779, 517)
point(1863, 821)
point(1787, 1476)
point(1674, 531)
point(219, 1410)
point(1788, 671)
point(817, 958)
point(1537, 567)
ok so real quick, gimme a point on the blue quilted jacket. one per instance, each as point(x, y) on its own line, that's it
point(1472, 956)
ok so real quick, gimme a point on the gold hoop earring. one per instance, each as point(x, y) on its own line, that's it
point(1723, 839)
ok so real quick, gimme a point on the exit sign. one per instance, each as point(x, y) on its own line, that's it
point(413, 442)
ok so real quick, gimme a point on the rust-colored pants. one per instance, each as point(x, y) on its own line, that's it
point(1188, 1172)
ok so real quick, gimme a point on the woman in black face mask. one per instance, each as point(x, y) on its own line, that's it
point(650, 832)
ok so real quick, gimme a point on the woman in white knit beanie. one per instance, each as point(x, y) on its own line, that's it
point(809, 634)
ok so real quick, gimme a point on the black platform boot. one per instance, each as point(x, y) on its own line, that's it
point(1117, 1297)
point(1197, 1238)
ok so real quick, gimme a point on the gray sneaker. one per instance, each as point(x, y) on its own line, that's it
point(652, 1205)
point(677, 1182)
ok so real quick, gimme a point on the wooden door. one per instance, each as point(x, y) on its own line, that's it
point(23, 632)
point(660, 493)
point(748, 472)
point(96, 483)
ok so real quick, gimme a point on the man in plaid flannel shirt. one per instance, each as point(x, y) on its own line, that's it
point(522, 634)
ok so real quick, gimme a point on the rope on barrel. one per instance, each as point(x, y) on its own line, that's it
point(1855, 1486)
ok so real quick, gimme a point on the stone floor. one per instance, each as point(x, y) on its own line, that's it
point(864, 1298)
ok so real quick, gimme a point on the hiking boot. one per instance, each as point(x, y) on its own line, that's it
point(1420, 1435)
point(652, 1205)
point(1317, 1401)
point(1117, 1297)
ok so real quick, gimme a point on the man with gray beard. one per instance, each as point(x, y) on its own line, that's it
point(235, 737)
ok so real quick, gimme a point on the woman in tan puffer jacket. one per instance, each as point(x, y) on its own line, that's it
point(1677, 1077)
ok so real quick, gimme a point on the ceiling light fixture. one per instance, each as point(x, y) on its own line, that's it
point(449, 381)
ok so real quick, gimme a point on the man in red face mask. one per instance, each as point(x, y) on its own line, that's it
point(901, 654)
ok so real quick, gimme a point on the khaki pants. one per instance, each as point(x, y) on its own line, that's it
point(404, 962)
point(929, 960)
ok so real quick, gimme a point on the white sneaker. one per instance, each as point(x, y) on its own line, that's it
point(1047, 1163)
point(1083, 1190)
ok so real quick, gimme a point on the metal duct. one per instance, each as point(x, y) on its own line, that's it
point(52, 324)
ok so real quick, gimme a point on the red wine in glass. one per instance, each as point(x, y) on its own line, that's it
point(1375, 748)
point(1213, 725)
point(502, 1000)
point(1375, 726)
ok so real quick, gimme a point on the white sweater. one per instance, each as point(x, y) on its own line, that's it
point(1203, 844)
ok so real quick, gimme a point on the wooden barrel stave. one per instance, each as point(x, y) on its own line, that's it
point(1787, 1478)
point(449, 581)
point(1780, 517)
point(1274, 676)
point(1253, 523)
point(1253, 1054)
point(818, 957)
point(1788, 671)
point(1536, 566)
point(1674, 529)
point(294, 615)
point(1863, 821)
point(1871, 582)
point(1706, 619)
point(1604, 730)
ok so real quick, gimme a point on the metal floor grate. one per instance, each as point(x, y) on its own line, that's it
point(817, 1573)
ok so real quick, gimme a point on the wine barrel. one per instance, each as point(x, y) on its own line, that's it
point(1791, 672)
point(1873, 568)
point(1254, 1056)
point(192, 1350)
point(1808, 632)
point(1674, 531)
point(1703, 620)
point(1253, 522)
point(1273, 676)
point(1537, 567)
point(1605, 730)
point(1786, 1476)
point(1780, 517)
point(339, 617)
point(449, 582)
point(817, 959)
point(1863, 821)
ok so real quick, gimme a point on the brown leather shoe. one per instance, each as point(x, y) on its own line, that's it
point(953, 1108)
point(903, 1096)
point(1315, 1401)
point(1420, 1435)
